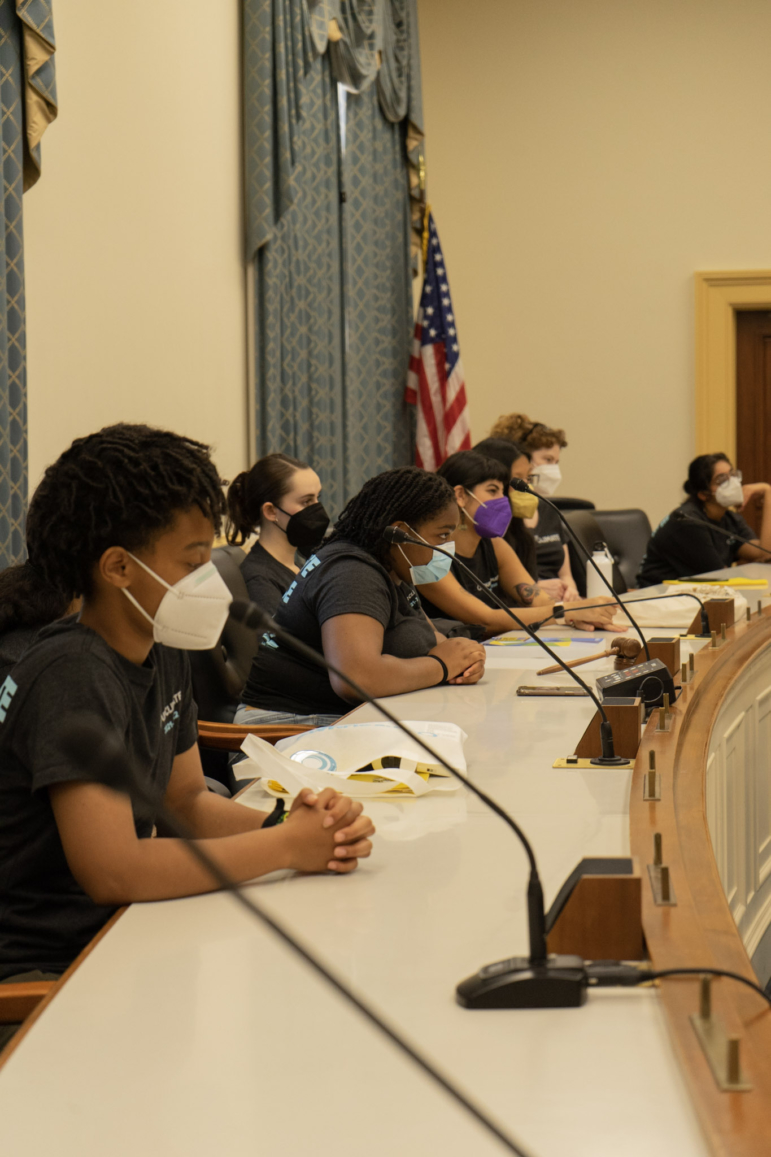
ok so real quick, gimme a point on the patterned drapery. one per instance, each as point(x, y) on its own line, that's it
point(27, 106)
point(330, 234)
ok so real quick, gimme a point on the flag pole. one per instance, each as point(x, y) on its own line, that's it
point(426, 215)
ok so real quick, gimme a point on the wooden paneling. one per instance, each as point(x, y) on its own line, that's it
point(704, 773)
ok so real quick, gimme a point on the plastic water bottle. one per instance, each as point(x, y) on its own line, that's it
point(595, 587)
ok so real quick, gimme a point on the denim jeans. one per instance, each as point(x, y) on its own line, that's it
point(253, 716)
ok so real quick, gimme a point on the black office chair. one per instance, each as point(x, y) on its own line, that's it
point(627, 533)
point(573, 504)
point(219, 677)
point(585, 526)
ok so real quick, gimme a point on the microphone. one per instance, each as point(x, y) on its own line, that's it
point(100, 752)
point(608, 757)
point(681, 516)
point(522, 486)
point(535, 981)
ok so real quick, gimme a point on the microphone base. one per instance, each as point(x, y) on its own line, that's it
point(609, 761)
point(557, 982)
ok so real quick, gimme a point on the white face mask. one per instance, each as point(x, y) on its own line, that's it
point(730, 493)
point(546, 479)
point(192, 613)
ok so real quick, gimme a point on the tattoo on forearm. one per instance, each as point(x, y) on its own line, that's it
point(526, 593)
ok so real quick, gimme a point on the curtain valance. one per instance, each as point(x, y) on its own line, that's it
point(368, 42)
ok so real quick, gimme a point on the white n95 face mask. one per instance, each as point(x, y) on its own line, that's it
point(546, 479)
point(730, 493)
point(193, 612)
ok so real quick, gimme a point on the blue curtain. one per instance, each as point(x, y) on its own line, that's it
point(27, 106)
point(330, 234)
point(378, 292)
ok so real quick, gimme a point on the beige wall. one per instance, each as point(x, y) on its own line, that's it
point(585, 158)
point(135, 285)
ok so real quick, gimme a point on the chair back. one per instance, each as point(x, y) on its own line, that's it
point(627, 533)
point(572, 503)
point(586, 527)
point(219, 675)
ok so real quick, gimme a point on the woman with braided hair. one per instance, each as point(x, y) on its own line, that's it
point(354, 602)
point(126, 518)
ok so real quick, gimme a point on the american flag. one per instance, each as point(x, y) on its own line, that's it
point(435, 380)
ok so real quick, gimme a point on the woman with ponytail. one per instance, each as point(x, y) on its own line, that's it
point(279, 499)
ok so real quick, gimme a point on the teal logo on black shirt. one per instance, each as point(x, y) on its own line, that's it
point(170, 715)
point(7, 692)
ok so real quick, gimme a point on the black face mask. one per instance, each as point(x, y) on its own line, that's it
point(306, 528)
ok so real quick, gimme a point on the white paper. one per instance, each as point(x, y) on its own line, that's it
point(329, 756)
point(669, 611)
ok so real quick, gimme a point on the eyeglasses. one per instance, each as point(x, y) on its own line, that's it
point(719, 479)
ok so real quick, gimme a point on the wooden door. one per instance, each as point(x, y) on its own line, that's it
point(753, 400)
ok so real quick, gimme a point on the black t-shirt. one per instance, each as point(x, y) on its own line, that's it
point(520, 539)
point(340, 579)
point(484, 565)
point(13, 644)
point(46, 918)
point(677, 550)
point(266, 578)
point(550, 538)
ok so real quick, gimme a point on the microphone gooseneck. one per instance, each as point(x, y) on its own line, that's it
point(103, 757)
point(522, 486)
point(608, 757)
point(252, 616)
point(535, 981)
point(681, 516)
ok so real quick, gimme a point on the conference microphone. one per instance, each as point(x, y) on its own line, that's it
point(535, 981)
point(681, 516)
point(522, 486)
point(102, 756)
point(608, 757)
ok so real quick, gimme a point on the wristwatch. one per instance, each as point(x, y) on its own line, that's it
point(558, 611)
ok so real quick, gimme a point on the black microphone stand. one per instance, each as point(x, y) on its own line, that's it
point(535, 981)
point(520, 485)
point(608, 757)
point(681, 516)
point(102, 755)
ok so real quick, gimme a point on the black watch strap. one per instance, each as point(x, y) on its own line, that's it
point(558, 611)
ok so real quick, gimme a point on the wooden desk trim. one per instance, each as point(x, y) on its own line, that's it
point(16, 1040)
point(700, 930)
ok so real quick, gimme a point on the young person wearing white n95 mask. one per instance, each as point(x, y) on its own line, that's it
point(126, 518)
point(544, 445)
point(716, 494)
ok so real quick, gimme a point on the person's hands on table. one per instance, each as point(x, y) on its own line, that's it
point(593, 615)
point(343, 826)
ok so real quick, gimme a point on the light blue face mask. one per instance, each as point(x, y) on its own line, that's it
point(433, 571)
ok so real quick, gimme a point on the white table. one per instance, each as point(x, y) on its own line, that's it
point(190, 1031)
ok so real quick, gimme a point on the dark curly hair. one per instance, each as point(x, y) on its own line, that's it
point(122, 486)
point(267, 481)
point(406, 494)
point(26, 600)
point(700, 473)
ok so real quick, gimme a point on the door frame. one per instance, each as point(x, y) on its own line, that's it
point(718, 296)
